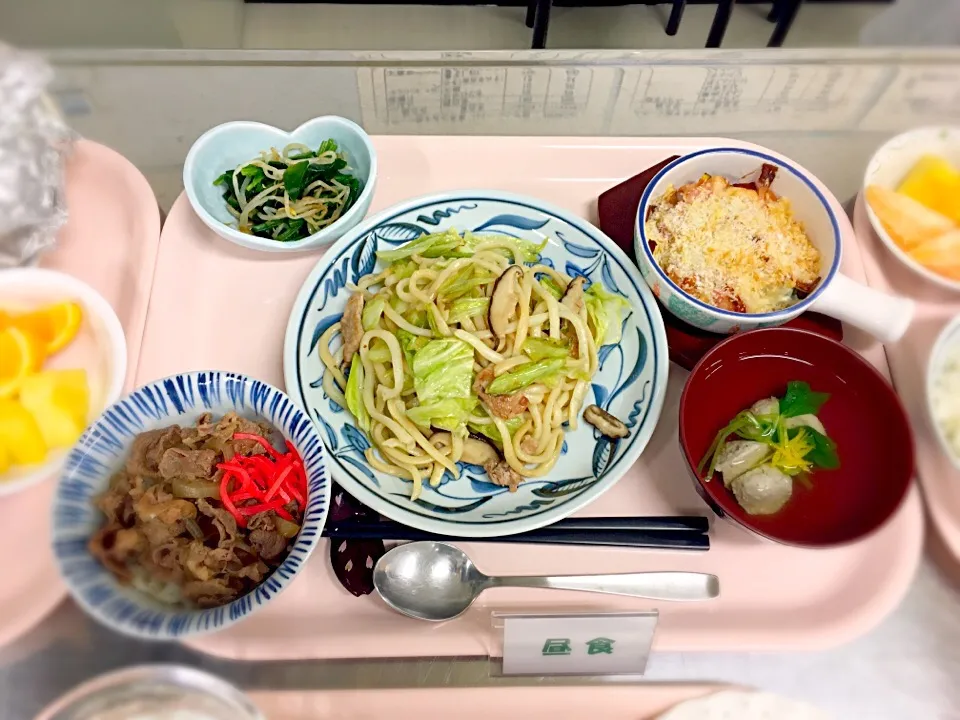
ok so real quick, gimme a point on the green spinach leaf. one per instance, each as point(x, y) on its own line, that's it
point(824, 453)
point(231, 200)
point(801, 400)
point(355, 188)
point(294, 179)
point(266, 227)
point(293, 231)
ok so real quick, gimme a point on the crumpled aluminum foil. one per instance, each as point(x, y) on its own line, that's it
point(33, 144)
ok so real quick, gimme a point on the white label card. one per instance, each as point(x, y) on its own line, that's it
point(588, 644)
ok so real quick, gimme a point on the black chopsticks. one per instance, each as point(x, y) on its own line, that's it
point(662, 533)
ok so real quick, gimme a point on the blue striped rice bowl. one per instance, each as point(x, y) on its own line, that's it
point(102, 450)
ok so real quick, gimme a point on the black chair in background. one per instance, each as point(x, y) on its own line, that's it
point(718, 28)
point(538, 18)
point(783, 13)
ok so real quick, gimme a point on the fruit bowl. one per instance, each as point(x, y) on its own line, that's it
point(92, 340)
point(888, 167)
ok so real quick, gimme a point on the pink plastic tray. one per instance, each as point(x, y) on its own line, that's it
point(627, 702)
point(110, 241)
point(218, 306)
point(908, 364)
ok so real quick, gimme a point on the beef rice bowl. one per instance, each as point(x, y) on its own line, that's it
point(199, 516)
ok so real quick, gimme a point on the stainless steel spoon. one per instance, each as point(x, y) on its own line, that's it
point(435, 581)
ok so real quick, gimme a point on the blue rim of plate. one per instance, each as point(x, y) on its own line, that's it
point(333, 258)
point(92, 586)
point(641, 244)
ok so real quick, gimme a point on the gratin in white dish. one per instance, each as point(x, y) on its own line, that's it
point(884, 316)
point(890, 165)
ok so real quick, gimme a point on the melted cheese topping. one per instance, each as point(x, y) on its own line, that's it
point(734, 248)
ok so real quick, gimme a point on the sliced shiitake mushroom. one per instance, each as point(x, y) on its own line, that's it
point(573, 297)
point(351, 326)
point(503, 303)
point(478, 450)
point(605, 422)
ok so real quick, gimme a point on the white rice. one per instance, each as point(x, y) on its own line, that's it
point(946, 399)
point(163, 592)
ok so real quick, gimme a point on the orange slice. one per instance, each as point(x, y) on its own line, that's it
point(54, 325)
point(6, 319)
point(20, 355)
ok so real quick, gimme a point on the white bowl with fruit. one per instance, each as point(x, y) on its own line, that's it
point(912, 193)
point(63, 359)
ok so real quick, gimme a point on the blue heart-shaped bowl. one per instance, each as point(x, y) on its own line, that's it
point(102, 450)
point(236, 142)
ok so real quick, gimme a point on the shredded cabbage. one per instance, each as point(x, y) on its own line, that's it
point(489, 429)
point(354, 394)
point(379, 352)
point(409, 344)
point(541, 348)
point(372, 312)
point(442, 372)
point(551, 286)
point(467, 308)
point(423, 245)
point(529, 251)
point(464, 281)
point(605, 314)
point(401, 270)
point(524, 375)
point(449, 244)
point(447, 414)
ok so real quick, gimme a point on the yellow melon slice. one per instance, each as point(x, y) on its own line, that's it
point(935, 183)
point(908, 222)
point(940, 254)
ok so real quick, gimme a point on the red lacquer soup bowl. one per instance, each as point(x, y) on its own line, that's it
point(863, 416)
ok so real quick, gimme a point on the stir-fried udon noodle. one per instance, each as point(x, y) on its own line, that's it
point(469, 350)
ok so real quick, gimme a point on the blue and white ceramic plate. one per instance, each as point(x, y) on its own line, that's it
point(630, 384)
point(102, 450)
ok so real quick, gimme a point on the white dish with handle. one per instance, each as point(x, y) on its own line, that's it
point(884, 316)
